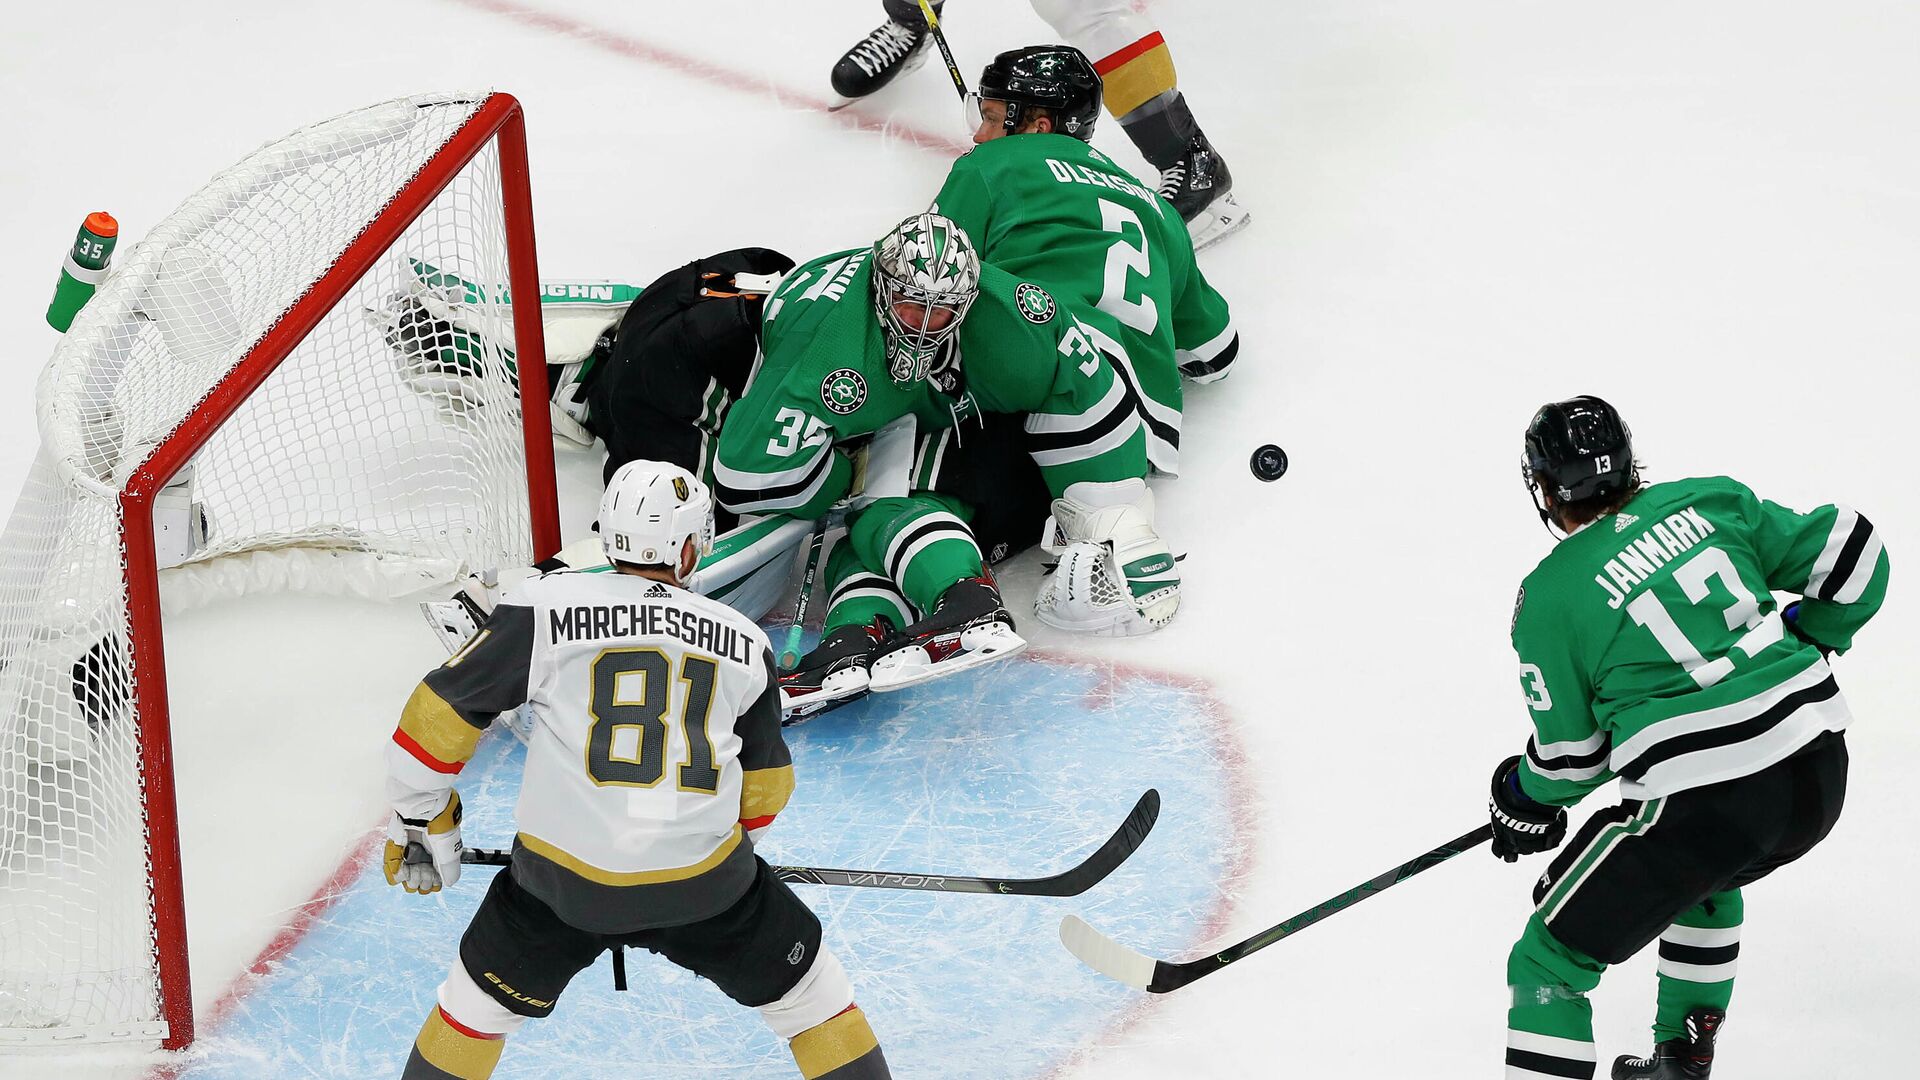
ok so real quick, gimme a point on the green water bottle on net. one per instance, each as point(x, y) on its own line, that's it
point(84, 270)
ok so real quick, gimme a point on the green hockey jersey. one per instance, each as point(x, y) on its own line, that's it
point(1053, 210)
point(823, 380)
point(1651, 648)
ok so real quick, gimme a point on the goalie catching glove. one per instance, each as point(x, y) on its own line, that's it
point(424, 856)
point(1116, 576)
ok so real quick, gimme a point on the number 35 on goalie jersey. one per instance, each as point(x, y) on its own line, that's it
point(656, 743)
point(1651, 647)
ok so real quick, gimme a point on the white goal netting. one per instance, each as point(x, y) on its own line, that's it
point(381, 457)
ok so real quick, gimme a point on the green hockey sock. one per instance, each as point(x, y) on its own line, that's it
point(1550, 1022)
point(1698, 954)
point(856, 593)
point(921, 543)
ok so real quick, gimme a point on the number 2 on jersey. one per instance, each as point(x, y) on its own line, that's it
point(1142, 314)
point(615, 707)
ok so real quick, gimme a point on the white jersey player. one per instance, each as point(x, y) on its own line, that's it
point(654, 761)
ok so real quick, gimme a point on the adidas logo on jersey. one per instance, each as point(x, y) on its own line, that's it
point(657, 590)
point(1622, 522)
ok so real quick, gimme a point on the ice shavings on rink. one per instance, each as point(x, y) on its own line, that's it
point(1019, 769)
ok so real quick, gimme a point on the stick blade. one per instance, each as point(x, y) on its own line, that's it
point(1105, 955)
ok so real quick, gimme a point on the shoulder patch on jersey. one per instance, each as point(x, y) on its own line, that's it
point(1034, 302)
point(843, 390)
point(1518, 599)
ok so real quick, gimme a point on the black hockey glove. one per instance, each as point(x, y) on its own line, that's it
point(1520, 825)
point(1791, 616)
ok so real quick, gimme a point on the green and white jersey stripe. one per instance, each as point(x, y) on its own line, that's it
point(1651, 647)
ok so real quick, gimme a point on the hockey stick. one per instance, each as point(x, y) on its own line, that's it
point(1070, 882)
point(1121, 964)
point(940, 39)
point(790, 655)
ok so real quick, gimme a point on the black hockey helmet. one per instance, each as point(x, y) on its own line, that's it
point(1057, 78)
point(1577, 450)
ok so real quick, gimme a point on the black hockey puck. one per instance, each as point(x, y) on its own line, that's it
point(1269, 463)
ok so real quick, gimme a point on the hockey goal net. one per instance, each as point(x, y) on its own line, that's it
point(259, 397)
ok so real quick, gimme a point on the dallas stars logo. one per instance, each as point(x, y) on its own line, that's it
point(843, 390)
point(1034, 303)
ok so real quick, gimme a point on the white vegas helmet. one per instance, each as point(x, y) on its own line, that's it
point(650, 510)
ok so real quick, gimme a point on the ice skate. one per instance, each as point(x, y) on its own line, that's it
point(969, 627)
point(1200, 187)
point(834, 673)
point(890, 51)
point(1689, 1058)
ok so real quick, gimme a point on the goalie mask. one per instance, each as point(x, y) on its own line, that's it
point(926, 275)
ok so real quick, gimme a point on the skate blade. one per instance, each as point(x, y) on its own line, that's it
point(911, 667)
point(838, 689)
point(1222, 218)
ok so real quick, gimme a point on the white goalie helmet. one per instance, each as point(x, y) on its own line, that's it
point(926, 274)
point(650, 510)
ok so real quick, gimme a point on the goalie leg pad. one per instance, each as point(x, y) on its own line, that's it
point(1116, 576)
point(751, 565)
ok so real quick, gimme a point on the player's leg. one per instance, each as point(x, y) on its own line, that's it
point(766, 953)
point(1550, 1021)
point(1794, 804)
point(894, 48)
point(513, 941)
point(1698, 954)
point(923, 544)
point(987, 468)
point(1142, 92)
point(864, 609)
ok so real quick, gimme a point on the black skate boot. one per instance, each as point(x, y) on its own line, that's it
point(834, 673)
point(1200, 187)
point(893, 49)
point(1689, 1058)
point(969, 626)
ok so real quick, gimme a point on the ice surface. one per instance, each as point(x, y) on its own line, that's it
point(1707, 211)
point(1019, 770)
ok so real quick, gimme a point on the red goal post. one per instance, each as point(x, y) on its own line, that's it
point(386, 444)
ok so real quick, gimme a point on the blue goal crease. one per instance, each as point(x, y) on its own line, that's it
point(1018, 769)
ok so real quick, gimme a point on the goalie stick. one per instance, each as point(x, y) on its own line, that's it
point(1070, 882)
point(1121, 964)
